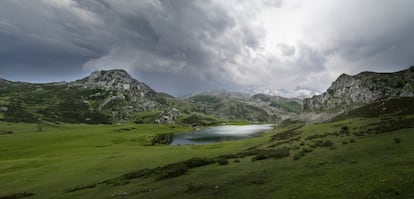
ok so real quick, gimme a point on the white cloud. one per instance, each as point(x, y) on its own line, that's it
point(239, 43)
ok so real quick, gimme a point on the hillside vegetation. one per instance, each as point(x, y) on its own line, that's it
point(114, 96)
point(354, 157)
point(107, 135)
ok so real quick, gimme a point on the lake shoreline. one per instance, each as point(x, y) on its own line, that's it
point(221, 133)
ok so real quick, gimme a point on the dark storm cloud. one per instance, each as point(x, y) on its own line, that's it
point(40, 38)
point(193, 45)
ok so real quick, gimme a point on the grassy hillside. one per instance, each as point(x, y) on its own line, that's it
point(73, 103)
point(63, 156)
point(344, 159)
point(351, 158)
point(33, 102)
point(236, 106)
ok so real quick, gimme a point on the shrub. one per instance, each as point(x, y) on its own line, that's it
point(397, 140)
point(18, 195)
point(180, 168)
point(344, 142)
point(352, 140)
point(315, 136)
point(286, 134)
point(344, 130)
point(172, 170)
point(223, 161)
point(331, 91)
point(165, 138)
point(6, 132)
point(323, 143)
point(273, 153)
point(82, 187)
point(196, 188)
point(398, 84)
point(196, 162)
point(230, 156)
point(298, 155)
point(307, 150)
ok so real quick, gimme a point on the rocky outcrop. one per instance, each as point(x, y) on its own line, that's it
point(3, 109)
point(4, 83)
point(120, 81)
point(115, 79)
point(168, 116)
point(349, 92)
point(165, 138)
point(110, 96)
point(122, 93)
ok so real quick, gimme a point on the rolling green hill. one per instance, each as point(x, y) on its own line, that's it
point(357, 156)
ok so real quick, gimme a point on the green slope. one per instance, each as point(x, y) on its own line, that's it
point(360, 163)
point(357, 156)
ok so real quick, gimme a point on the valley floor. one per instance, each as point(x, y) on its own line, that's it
point(352, 158)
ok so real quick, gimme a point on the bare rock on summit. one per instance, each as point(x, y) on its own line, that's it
point(116, 79)
point(349, 92)
point(126, 93)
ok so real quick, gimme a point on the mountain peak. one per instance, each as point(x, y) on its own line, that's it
point(105, 75)
point(348, 92)
point(115, 79)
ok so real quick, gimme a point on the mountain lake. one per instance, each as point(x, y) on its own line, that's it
point(220, 133)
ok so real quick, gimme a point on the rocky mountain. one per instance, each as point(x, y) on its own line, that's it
point(125, 93)
point(349, 92)
point(103, 97)
point(114, 96)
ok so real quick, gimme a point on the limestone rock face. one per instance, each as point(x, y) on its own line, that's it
point(3, 109)
point(4, 83)
point(168, 116)
point(111, 96)
point(126, 94)
point(118, 80)
point(349, 92)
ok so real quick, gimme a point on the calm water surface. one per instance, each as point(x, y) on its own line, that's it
point(220, 133)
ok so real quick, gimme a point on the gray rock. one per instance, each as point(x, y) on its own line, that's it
point(121, 92)
point(349, 92)
point(3, 109)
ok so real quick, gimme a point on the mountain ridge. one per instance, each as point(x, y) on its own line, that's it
point(112, 96)
point(348, 92)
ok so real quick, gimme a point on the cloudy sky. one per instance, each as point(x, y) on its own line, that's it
point(183, 46)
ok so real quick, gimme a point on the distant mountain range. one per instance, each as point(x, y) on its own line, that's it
point(299, 92)
point(114, 96)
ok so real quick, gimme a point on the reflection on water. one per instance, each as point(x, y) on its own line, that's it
point(220, 133)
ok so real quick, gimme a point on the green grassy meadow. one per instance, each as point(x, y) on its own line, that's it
point(351, 158)
point(63, 156)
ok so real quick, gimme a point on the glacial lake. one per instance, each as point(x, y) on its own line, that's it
point(220, 133)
